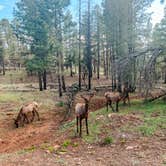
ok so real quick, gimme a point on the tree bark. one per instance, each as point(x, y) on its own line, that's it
point(45, 79)
point(3, 65)
point(40, 81)
point(71, 70)
point(59, 77)
point(79, 56)
point(89, 58)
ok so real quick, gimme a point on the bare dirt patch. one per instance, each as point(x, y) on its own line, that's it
point(12, 139)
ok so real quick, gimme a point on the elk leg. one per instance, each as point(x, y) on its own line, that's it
point(26, 118)
point(111, 106)
point(128, 100)
point(37, 115)
point(77, 123)
point(107, 105)
point(124, 101)
point(33, 115)
point(86, 121)
point(117, 109)
point(80, 127)
point(22, 120)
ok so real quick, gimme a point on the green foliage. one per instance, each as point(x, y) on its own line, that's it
point(60, 104)
point(147, 130)
point(66, 143)
point(31, 149)
point(108, 140)
point(152, 124)
point(47, 146)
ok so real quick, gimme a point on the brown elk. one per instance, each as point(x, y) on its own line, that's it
point(116, 97)
point(23, 114)
point(81, 110)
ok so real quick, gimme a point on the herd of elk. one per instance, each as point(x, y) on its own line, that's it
point(81, 109)
point(31, 108)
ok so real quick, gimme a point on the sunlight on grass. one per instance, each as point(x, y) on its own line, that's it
point(10, 97)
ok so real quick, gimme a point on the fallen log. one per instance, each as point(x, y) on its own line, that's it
point(157, 97)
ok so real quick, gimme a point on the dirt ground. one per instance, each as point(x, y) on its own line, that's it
point(137, 151)
point(38, 144)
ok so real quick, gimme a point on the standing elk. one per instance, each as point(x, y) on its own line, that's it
point(23, 114)
point(81, 110)
point(116, 97)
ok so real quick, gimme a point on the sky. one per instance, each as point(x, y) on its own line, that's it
point(158, 11)
point(6, 9)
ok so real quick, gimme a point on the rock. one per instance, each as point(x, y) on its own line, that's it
point(56, 147)
point(1, 141)
point(100, 117)
point(129, 148)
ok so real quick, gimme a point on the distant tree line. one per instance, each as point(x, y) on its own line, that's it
point(45, 37)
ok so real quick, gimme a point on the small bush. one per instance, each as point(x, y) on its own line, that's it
point(31, 149)
point(108, 140)
point(74, 144)
point(60, 104)
point(66, 143)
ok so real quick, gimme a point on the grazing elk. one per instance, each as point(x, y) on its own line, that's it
point(116, 97)
point(81, 110)
point(23, 114)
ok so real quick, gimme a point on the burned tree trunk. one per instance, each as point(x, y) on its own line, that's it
point(40, 81)
point(45, 79)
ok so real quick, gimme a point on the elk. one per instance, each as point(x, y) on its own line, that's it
point(81, 110)
point(116, 97)
point(24, 111)
point(125, 95)
point(112, 97)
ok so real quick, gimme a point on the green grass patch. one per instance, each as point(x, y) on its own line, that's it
point(48, 147)
point(98, 121)
point(60, 104)
point(146, 130)
point(31, 149)
point(66, 143)
point(108, 140)
point(10, 97)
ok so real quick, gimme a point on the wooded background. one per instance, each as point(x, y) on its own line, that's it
point(114, 39)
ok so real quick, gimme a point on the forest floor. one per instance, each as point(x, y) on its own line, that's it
point(136, 136)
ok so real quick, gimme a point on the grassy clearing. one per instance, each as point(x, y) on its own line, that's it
point(45, 98)
point(99, 120)
point(13, 76)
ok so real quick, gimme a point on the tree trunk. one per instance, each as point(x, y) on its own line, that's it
point(79, 56)
point(3, 65)
point(45, 80)
point(165, 76)
point(59, 77)
point(107, 62)
point(104, 62)
point(40, 81)
point(94, 66)
point(98, 49)
point(89, 58)
point(62, 73)
point(63, 83)
point(71, 70)
point(59, 87)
